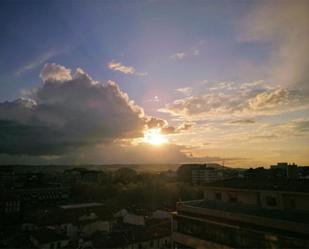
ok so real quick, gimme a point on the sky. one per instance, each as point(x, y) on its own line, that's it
point(154, 81)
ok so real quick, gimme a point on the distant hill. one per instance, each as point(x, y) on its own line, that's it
point(61, 168)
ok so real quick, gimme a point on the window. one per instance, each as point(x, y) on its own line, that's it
point(151, 244)
point(292, 203)
point(271, 201)
point(232, 197)
point(52, 246)
point(218, 196)
point(58, 244)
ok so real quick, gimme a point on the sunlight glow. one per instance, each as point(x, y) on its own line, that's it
point(154, 137)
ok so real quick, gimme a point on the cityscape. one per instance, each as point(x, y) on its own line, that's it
point(196, 206)
point(153, 124)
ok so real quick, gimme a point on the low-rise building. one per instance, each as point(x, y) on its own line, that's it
point(155, 234)
point(241, 213)
point(82, 175)
point(48, 239)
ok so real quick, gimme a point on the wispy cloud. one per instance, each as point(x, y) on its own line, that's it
point(184, 90)
point(235, 101)
point(284, 24)
point(178, 56)
point(242, 121)
point(191, 52)
point(120, 67)
point(38, 61)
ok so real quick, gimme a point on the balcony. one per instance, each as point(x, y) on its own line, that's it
point(241, 215)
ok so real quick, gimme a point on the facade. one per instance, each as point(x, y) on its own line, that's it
point(238, 213)
point(82, 175)
point(206, 174)
point(285, 170)
point(202, 173)
point(154, 234)
point(48, 239)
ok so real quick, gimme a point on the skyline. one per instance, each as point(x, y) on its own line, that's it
point(154, 82)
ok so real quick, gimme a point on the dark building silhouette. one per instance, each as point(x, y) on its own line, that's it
point(242, 213)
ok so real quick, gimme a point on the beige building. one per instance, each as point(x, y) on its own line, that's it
point(242, 213)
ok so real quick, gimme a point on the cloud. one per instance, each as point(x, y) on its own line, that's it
point(299, 127)
point(174, 130)
point(185, 90)
point(294, 128)
point(192, 52)
point(36, 62)
point(139, 153)
point(178, 56)
point(66, 112)
point(284, 25)
point(195, 52)
point(118, 66)
point(112, 153)
point(54, 72)
point(142, 74)
point(242, 121)
point(238, 102)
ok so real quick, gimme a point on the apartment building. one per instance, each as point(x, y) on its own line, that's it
point(242, 213)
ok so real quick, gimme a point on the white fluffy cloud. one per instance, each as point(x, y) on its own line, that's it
point(118, 66)
point(54, 72)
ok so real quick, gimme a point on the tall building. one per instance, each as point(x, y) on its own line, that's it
point(242, 213)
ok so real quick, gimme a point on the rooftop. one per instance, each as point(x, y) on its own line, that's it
point(46, 235)
point(291, 185)
point(82, 205)
point(293, 216)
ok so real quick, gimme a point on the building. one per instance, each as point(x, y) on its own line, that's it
point(83, 175)
point(48, 239)
point(156, 234)
point(7, 176)
point(304, 172)
point(130, 218)
point(76, 221)
point(242, 213)
point(42, 195)
point(200, 173)
point(286, 170)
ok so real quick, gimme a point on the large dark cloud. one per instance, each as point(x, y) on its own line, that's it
point(66, 112)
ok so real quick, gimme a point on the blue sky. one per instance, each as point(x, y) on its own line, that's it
point(143, 34)
point(219, 51)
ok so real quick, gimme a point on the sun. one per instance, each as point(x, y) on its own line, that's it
point(154, 137)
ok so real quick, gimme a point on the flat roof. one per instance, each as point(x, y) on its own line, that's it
point(240, 208)
point(290, 185)
point(82, 205)
point(46, 235)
